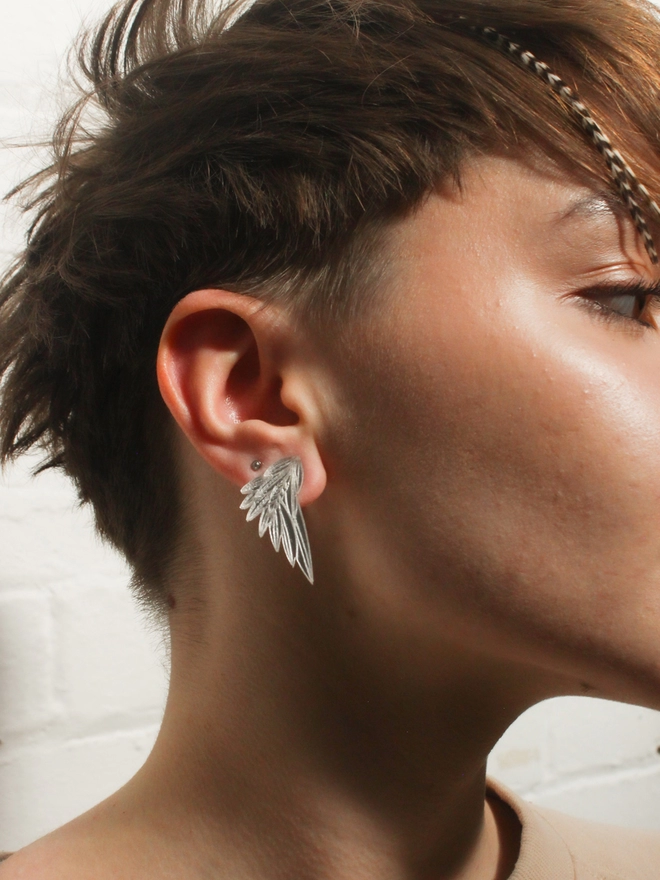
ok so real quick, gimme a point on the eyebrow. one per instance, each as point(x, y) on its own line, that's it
point(593, 205)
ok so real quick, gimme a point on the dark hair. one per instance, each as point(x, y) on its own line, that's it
point(262, 148)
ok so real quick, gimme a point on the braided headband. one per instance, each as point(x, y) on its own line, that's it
point(630, 189)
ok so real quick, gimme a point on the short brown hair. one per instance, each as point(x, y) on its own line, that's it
point(259, 149)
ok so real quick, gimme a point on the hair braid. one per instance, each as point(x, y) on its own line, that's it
point(625, 179)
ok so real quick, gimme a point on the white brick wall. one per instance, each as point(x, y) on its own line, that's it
point(82, 678)
point(83, 681)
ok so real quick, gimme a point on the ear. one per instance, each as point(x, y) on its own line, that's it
point(231, 371)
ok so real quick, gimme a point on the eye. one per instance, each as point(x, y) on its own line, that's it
point(628, 302)
point(628, 305)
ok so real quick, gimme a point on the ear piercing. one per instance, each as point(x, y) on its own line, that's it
point(256, 465)
point(273, 497)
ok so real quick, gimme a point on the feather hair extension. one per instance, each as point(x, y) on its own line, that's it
point(625, 179)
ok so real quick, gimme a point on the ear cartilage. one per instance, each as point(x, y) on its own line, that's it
point(273, 497)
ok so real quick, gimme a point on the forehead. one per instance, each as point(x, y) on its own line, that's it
point(509, 180)
point(520, 204)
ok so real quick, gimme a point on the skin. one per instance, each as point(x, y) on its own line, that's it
point(483, 507)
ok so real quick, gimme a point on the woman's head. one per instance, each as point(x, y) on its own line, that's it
point(287, 152)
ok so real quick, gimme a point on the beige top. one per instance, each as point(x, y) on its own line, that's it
point(559, 847)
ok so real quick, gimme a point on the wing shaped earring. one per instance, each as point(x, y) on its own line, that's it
point(273, 497)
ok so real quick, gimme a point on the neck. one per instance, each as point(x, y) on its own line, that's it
point(296, 736)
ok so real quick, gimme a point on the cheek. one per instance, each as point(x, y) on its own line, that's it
point(509, 462)
point(541, 412)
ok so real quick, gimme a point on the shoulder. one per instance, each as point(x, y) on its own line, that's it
point(58, 855)
point(555, 846)
point(34, 862)
point(607, 850)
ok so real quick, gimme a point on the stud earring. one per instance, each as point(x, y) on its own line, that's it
point(273, 496)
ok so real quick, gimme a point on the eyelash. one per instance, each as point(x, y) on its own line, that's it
point(644, 293)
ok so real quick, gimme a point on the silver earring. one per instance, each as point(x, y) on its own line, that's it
point(273, 496)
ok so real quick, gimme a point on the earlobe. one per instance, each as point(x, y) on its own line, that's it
point(224, 373)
